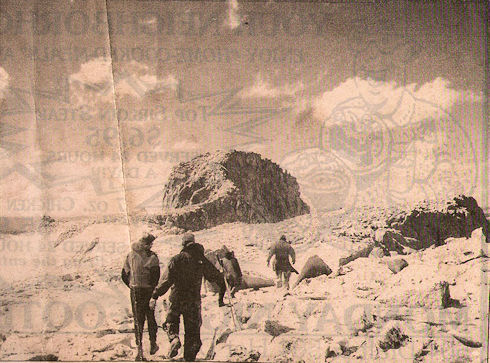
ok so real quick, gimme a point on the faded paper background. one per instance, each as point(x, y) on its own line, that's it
point(366, 104)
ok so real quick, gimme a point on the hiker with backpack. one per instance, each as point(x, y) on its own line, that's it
point(141, 272)
point(184, 275)
point(282, 250)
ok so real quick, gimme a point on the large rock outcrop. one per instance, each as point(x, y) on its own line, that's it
point(225, 187)
point(431, 223)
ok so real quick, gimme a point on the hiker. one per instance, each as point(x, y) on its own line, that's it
point(224, 259)
point(232, 271)
point(184, 274)
point(141, 272)
point(282, 250)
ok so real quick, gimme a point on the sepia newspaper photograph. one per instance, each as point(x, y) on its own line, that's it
point(244, 181)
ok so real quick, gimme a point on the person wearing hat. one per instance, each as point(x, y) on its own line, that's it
point(141, 272)
point(282, 249)
point(184, 275)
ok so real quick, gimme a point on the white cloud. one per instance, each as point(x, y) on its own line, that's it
point(233, 20)
point(263, 89)
point(439, 91)
point(385, 97)
point(4, 82)
point(93, 82)
point(136, 80)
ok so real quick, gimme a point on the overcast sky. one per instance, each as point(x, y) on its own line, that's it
point(274, 78)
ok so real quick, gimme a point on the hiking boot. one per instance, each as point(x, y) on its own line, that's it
point(174, 347)
point(154, 348)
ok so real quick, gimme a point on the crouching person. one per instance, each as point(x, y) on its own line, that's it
point(232, 271)
point(184, 276)
point(141, 273)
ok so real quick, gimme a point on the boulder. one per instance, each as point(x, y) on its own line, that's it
point(396, 265)
point(223, 336)
point(432, 222)
point(313, 267)
point(469, 342)
point(235, 353)
point(391, 240)
point(275, 329)
point(363, 252)
point(392, 336)
point(255, 281)
point(333, 350)
point(225, 187)
point(444, 295)
point(67, 277)
point(44, 358)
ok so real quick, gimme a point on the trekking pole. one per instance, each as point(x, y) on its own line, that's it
point(233, 315)
point(139, 334)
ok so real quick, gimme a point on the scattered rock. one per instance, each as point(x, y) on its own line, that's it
point(363, 252)
point(92, 245)
point(391, 240)
point(415, 348)
point(226, 187)
point(466, 341)
point(67, 277)
point(397, 265)
point(333, 350)
point(445, 296)
point(361, 320)
point(274, 328)
point(46, 224)
point(70, 232)
point(224, 336)
point(235, 353)
point(313, 267)
point(104, 332)
point(44, 358)
point(392, 336)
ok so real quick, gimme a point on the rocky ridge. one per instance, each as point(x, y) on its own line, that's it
point(226, 187)
point(393, 298)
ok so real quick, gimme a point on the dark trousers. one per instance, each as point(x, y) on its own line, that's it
point(283, 278)
point(140, 298)
point(191, 312)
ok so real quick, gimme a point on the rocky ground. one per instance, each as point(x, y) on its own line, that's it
point(62, 294)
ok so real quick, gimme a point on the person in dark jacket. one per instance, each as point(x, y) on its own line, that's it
point(282, 249)
point(184, 275)
point(141, 273)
